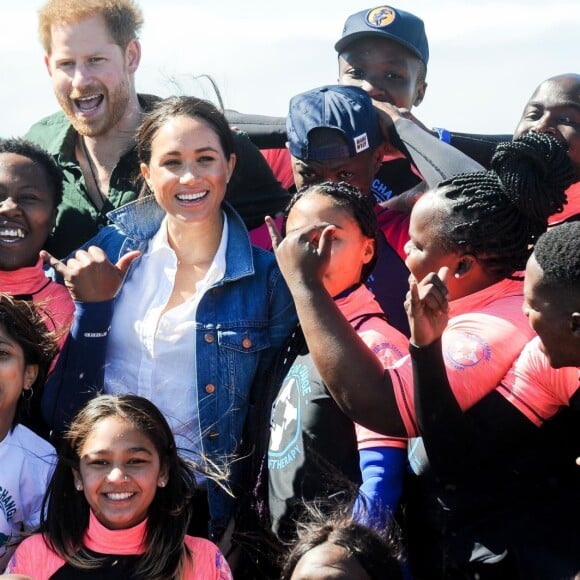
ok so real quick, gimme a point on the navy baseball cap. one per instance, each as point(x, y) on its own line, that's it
point(348, 110)
point(388, 22)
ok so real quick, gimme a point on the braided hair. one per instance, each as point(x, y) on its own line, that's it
point(498, 215)
point(350, 198)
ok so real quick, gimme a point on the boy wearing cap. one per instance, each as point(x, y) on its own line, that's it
point(334, 135)
point(384, 51)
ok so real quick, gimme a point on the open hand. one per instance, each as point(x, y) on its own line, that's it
point(427, 306)
point(89, 276)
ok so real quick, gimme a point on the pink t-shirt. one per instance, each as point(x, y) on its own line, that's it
point(487, 331)
point(34, 558)
point(535, 388)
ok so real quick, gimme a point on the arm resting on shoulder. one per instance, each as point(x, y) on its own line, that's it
point(435, 159)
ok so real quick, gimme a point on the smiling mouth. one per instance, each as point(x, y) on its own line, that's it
point(120, 496)
point(88, 104)
point(191, 196)
point(11, 235)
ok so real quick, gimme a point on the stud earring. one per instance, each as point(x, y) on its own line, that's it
point(162, 483)
point(79, 487)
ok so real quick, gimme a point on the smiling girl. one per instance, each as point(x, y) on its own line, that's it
point(30, 191)
point(119, 502)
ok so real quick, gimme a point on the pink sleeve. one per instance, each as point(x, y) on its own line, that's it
point(208, 562)
point(33, 558)
point(389, 345)
point(535, 388)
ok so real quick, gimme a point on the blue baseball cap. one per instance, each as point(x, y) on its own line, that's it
point(387, 22)
point(348, 110)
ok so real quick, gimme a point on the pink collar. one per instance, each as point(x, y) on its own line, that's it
point(27, 280)
point(102, 540)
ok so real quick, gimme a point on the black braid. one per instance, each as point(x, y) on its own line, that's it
point(498, 215)
point(346, 196)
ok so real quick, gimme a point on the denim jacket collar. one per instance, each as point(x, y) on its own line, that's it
point(141, 219)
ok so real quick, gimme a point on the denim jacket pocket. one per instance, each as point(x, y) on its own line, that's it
point(241, 350)
point(245, 339)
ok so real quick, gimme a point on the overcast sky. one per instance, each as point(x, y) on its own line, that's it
point(486, 57)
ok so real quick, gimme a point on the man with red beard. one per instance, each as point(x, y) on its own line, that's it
point(92, 54)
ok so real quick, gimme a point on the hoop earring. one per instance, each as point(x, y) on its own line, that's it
point(30, 392)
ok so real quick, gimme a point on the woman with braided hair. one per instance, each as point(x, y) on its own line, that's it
point(481, 226)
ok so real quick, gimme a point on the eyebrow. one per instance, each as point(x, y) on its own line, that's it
point(130, 450)
point(569, 104)
point(200, 150)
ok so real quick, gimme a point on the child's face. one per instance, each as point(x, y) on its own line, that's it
point(329, 561)
point(555, 108)
point(27, 212)
point(15, 376)
point(385, 69)
point(350, 248)
point(550, 312)
point(119, 472)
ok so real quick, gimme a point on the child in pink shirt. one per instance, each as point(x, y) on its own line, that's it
point(119, 502)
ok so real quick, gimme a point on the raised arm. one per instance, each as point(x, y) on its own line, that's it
point(352, 373)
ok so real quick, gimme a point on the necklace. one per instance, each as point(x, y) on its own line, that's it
point(92, 170)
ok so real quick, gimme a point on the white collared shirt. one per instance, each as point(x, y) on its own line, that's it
point(153, 354)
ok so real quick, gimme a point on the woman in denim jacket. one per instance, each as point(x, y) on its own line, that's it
point(172, 301)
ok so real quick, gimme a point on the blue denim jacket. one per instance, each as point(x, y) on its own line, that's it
point(241, 324)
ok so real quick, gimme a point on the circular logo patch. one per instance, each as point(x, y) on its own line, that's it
point(381, 16)
point(467, 350)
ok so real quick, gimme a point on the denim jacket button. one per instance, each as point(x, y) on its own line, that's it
point(210, 389)
point(247, 342)
point(208, 337)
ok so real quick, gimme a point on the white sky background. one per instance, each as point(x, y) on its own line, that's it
point(486, 59)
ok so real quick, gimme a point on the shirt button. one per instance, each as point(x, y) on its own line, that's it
point(210, 389)
point(208, 337)
point(247, 343)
